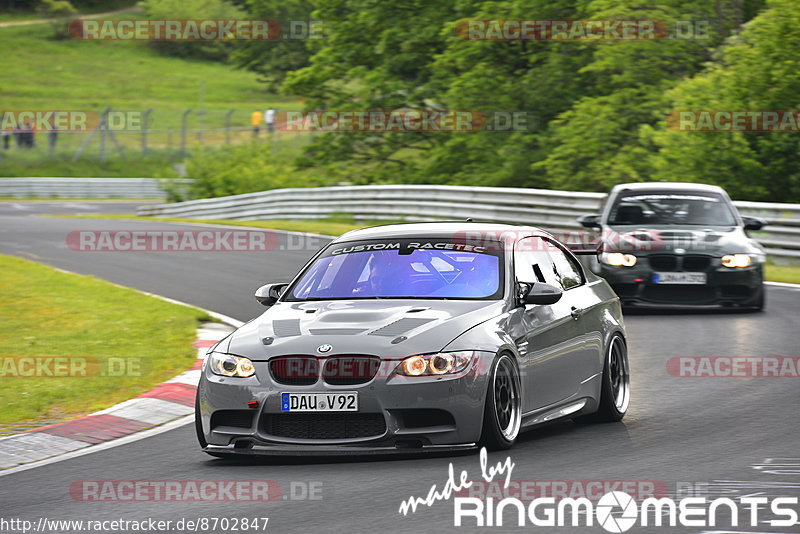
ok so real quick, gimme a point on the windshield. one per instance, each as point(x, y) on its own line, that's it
point(420, 268)
point(655, 207)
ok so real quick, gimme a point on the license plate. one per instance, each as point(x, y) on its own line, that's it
point(319, 402)
point(679, 278)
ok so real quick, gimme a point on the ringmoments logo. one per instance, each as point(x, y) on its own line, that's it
point(615, 511)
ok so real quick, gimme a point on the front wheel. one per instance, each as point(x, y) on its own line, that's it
point(502, 413)
point(615, 394)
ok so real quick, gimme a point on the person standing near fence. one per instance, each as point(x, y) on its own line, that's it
point(52, 138)
point(255, 120)
point(269, 120)
point(28, 135)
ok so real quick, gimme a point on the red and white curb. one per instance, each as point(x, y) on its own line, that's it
point(167, 402)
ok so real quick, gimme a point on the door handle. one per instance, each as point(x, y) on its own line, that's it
point(576, 313)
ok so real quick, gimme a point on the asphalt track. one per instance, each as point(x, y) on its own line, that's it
point(730, 432)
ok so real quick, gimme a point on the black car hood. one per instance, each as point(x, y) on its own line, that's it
point(710, 240)
point(390, 328)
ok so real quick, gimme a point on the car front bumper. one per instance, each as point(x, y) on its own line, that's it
point(397, 414)
point(724, 286)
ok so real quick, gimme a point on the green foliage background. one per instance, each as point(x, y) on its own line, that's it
point(597, 110)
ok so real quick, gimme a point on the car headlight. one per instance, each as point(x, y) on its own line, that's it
point(230, 365)
point(442, 363)
point(618, 259)
point(736, 260)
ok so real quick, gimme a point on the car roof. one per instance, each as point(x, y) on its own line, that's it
point(449, 229)
point(668, 186)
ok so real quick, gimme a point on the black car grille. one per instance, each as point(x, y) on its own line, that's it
point(336, 370)
point(235, 418)
point(691, 262)
point(662, 262)
point(324, 425)
point(350, 370)
point(295, 370)
point(696, 263)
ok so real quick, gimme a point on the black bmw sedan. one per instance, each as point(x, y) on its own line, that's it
point(678, 244)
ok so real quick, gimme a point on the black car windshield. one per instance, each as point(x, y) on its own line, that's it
point(402, 268)
point(645, 208)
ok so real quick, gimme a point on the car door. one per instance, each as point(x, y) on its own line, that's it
point(584, 359)
point(548, 331)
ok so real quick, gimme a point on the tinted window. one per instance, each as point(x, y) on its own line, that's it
point(567, 270)
point(421, 268)
point(664, 207)
point(533, 263)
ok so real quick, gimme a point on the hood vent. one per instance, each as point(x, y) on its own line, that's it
point(336, 331)
point(400, 326)
point(286, 327)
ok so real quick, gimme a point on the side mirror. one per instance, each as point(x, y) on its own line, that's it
point(753, 223)
point(270, 293)
point(589, 221)
point(540, 293)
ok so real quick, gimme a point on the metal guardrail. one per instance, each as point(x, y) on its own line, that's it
point(84, 187)
point(538, 207)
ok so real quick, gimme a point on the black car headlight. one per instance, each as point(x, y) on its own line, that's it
point(737, 261)
point(230, 365)
point(618, 259)
point(441, 363)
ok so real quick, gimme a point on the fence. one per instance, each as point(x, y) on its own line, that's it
point(538, 207)
point(85, 187)
point(118, 133)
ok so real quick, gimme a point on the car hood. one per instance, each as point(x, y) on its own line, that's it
point(711, 240)
point(390, 328)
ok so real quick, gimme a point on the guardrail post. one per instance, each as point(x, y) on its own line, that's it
point(228, 126)
point(145, 127)
point(183, 132)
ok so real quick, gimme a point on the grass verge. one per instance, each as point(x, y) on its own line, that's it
point(789, 274)
point(104, 328)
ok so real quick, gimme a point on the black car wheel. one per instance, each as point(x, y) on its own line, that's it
point(502, 414)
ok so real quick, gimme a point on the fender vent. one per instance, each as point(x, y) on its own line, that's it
point(286, 327)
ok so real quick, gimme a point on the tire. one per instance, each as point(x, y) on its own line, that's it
point(615, 391)
point(502, 412)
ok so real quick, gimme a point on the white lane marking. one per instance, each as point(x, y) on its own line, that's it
point(172, 425)
point(784, 285)
point(779, 466)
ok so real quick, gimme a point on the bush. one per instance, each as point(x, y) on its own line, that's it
point(192, 9)
point(60, 10)
point(247, 169)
